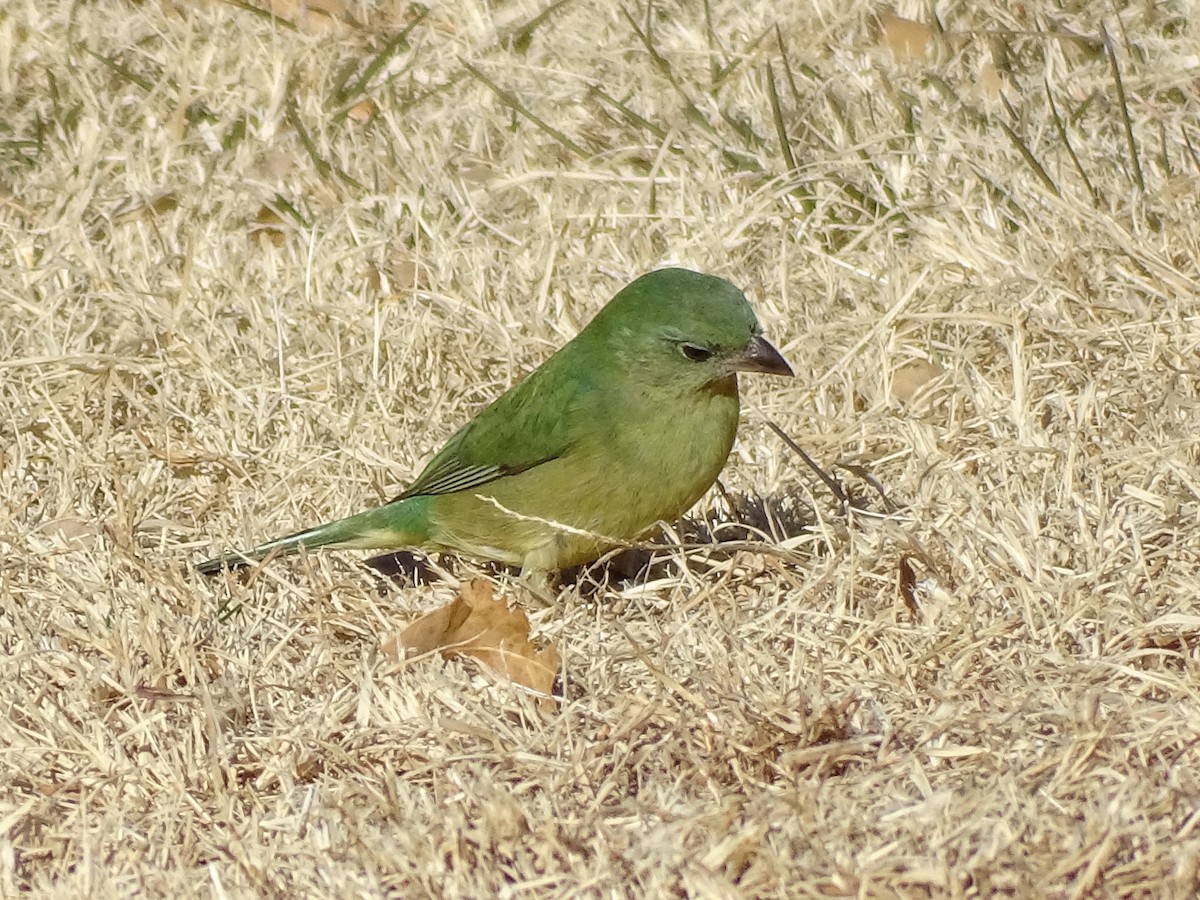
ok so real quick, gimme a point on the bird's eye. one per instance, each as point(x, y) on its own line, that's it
point(695, 352)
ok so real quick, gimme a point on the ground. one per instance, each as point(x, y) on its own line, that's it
point(254, 269)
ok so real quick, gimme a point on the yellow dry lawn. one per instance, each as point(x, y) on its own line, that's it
point(255, 267)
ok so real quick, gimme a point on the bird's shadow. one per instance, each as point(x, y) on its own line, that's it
point(723, 529)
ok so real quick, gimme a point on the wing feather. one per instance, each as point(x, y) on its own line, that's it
point(527, 426)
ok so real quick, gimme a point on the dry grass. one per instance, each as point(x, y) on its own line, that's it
point(250, 277)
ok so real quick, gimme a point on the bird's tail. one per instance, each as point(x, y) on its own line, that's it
point(401, 523)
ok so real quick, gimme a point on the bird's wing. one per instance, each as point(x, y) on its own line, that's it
point(525, 427)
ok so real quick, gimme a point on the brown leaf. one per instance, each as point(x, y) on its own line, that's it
point(911, 377)
point(317, 17)
point(991, 82)
point(268, 226)
point(156, 205)
point(72, 531)
point(406, 274)
point(906, 39)
point(481, 626)
point(432, 631)
point(363, 110)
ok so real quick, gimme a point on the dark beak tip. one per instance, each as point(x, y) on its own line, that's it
point(761, 356)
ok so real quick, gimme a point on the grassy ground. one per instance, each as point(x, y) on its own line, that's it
point(251, 276)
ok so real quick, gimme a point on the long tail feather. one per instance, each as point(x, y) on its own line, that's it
point(399, 524)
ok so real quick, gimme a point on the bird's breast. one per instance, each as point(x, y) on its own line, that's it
point(661, 456)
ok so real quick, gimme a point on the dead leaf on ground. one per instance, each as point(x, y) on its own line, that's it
point(481, 626)
point(75, 533)
point(912, 376)
point(407, 274)
point(316, 17)
point(905, 38)
point(268, 226)
point(991, 81)
point(363, 110)
point(158, 204)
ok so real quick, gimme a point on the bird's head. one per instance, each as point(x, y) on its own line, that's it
point(690, 329)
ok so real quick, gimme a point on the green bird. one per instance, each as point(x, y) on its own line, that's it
point(624, 427)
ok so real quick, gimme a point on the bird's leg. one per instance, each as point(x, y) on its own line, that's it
point(540, 584)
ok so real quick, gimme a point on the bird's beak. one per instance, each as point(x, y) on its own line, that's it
point(759, 356)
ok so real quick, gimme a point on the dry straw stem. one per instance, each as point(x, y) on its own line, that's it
point(251, 275)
